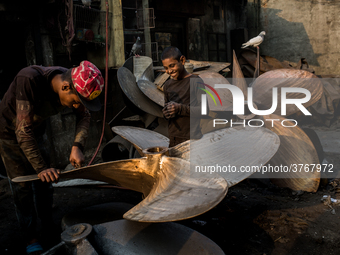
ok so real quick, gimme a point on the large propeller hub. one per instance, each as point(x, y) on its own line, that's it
point(153, 158)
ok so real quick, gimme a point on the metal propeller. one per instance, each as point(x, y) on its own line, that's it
point(296, 152)
point(172, 192)
point(293, 78)
point(295, 145)
point(127, 82)
point(236, 147)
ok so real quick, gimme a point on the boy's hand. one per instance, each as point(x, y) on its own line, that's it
point(171, 109)
point(76, 157)
point(49, 175)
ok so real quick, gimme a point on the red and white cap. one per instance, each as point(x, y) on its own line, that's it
point(88, 82)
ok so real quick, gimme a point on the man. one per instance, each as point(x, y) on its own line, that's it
point(36, 93)
point(182, 98)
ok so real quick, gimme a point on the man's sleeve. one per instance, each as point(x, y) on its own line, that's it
point(82, 128)
point(24, 124)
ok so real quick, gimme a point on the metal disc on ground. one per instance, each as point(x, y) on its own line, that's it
point(151, 91)
point(126, 237)
point(127, 82)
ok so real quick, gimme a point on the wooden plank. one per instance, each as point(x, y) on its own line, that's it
point(213, 66)
point(160, 80)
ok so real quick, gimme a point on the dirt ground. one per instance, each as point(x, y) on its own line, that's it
point(255, 217)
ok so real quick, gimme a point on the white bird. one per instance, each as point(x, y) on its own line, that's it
point(256, 41)
point(86, 3)
point(136, 48)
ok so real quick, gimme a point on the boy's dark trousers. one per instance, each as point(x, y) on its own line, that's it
point(31, 199)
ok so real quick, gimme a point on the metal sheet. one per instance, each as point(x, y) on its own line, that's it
point(128, 84)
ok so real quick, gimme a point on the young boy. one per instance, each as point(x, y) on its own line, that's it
point(36, 93)
point(182, 98)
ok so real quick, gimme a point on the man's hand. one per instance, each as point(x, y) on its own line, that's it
point(49, 175)
point(76, 157)
point(171, 109)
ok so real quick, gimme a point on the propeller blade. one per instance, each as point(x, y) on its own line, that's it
point(225, 95)
point(141, 138)
point(295, 148)
point(127, 82)
point(179, 193)
point(126, 173)
point(238, 78)
point(181, 150)
point(230, 147)
point(150, 90)
point(143, 68)
point(264, 84)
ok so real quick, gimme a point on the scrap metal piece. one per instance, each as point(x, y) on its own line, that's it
point(296, 150)
point(150, 90)
point(124, 237)
point(129, 86)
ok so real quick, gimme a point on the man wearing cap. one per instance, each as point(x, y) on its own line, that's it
point(36, 93)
